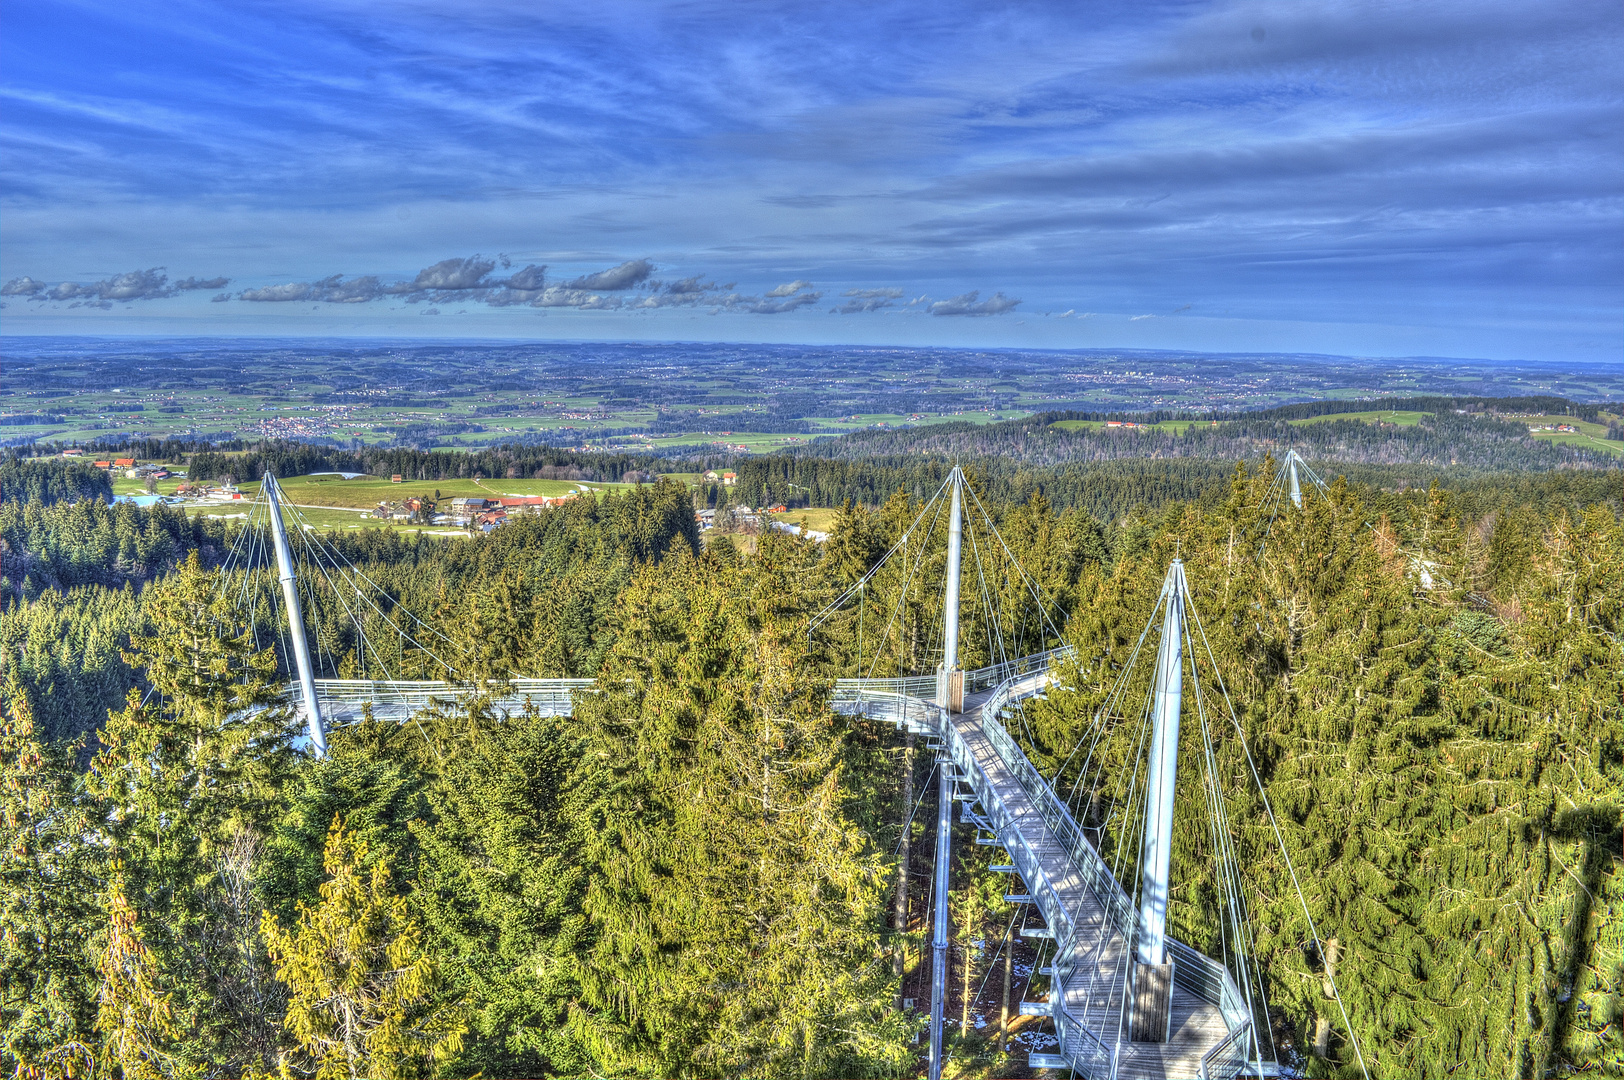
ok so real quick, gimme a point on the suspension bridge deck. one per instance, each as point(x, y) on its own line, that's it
point(1093, 987)
point(1089, 914)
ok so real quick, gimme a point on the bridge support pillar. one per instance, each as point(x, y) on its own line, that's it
point(940, 920)
point(1153, 975)
point(296, 632)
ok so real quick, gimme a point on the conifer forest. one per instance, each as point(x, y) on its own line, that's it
point(705, 870)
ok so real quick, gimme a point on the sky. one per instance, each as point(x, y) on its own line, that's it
point(1373, 179)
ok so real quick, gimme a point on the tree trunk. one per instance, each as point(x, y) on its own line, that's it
point(1009, 963)
point(969, 965)
point(899, 954)
point(1322, 1024)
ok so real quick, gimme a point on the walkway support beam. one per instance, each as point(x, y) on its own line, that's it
point(1153, 976)
point(1296, 485)
point(940, 919)
point(290, 601)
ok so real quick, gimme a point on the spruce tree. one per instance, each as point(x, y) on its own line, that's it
point(737, 918)
point(49, 879)
point(188, 780)
point(363, 992)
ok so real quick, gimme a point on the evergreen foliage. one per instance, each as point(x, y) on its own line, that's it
point(1438, 760)
point(694, 874)
point(49, 878)
point(363, 996)
point(734, 906)
point(52, 480)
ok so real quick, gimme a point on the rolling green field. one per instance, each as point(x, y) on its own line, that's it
point(1590, 436)
point(366, 492)
point(1177, 427)
point(1386, 416)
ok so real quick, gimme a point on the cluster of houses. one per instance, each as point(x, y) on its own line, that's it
point(726, 479)
point(743, 517)
point(132, 470)
point(480, 513)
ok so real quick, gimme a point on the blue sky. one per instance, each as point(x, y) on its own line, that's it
point(1434, 178)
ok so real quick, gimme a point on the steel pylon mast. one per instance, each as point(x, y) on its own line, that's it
point(290, 599)
point(947, 696)
point(1153, 976)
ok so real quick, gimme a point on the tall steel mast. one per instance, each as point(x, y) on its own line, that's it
point(1153, 975)
point(948, 699)
point(290, 600)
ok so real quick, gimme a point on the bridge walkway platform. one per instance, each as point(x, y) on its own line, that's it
point(1093, 981)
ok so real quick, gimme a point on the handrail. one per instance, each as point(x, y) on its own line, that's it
point(1232, 1048)
point(1116, 902)
point(1094, 1048)
point(904, 701)
point(975, 679)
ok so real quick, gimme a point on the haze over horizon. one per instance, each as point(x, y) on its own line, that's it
point(1337, 178)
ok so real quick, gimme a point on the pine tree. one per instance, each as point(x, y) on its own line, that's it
point(499, 884)
point(182, 780)
point(737, 919)
point(49, 878)
point(363, 992)
point(135, 1014)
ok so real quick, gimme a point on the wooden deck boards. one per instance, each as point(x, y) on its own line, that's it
point(1095, 989)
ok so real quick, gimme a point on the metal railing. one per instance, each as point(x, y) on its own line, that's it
point(1117, 904)
point(905, 710)
point(904, 701)
point(1229, 1058)
point(1087, 1052)
point(346, 701)
point(1210, 981)
point(982, 678)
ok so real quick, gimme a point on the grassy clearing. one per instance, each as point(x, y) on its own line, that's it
point(1386, 416)
point(363, 493)
point(816, 518)
point(1581, 439)
point(1176, 427)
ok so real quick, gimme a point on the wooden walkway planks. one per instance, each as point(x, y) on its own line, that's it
point(1094, 992)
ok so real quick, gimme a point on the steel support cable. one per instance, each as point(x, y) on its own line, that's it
point(996, 652)
point(397, 628)
point(1112, 703)
point(1132, 801)
point(1279, 839)
point(902, 593)
point(365, 640)
point(917, 804)
point(307, 593)
point(995, 644)
point(997, 952)
point(1128, 938)
point(1230, 864)
point(828, 609)
point(366, 643)
point(898, 546)
point(1030, 584)
point(1226, 864)
point(248, 592)
point(339, 555)
point(902, 596)
point(1120, 686)
point(897, 608)
point(1110, 706)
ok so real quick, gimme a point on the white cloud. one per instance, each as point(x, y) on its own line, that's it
point(790, 289)
point(971, 304)
point(616, 278)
